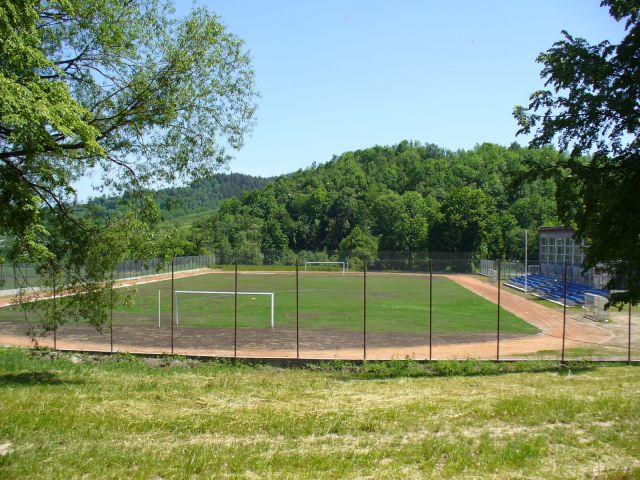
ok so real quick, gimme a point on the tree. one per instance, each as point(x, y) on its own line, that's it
point(359, 245)
point(591, 109)
point(403, 221)
point(273, 243)
point(468, 218)
point(116, 87)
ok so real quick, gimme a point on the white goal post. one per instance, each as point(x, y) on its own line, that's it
point(344, 264)
point(209, 292)
point(594, 306)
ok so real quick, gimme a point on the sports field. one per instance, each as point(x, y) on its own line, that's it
point(331, 315)
point(395, 303)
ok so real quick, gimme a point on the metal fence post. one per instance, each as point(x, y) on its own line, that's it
point(364, 324)
point(235, 313)
point(564, 311)
point(430, 309)
point(498, 325)
point(111, 311)
point(629, 344)
point(55, 317)
point(173, 299)
point(297, 311)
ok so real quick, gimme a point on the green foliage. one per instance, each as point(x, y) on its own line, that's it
point(469, 217)
point(409, 197)
point(200, 195)
point(410, 368)
point(122, 89)
point(359, 244)
point(590, 107)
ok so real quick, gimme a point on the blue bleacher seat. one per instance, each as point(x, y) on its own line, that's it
point(553, 289)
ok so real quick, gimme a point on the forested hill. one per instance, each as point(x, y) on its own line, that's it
point(407, 197)
point(200, 195)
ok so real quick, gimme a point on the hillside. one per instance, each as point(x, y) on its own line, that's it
point(183, 203)
point(406, 197)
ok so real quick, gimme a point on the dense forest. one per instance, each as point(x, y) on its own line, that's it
point(407, 197)
point(201, 195)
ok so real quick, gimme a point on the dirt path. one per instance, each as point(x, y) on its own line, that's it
point(548, 320)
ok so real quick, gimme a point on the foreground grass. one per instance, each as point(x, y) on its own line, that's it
point(68, 416)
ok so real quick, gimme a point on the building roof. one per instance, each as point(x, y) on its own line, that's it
point(555, 229)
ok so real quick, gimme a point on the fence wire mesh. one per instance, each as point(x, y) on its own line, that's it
point(422, 305)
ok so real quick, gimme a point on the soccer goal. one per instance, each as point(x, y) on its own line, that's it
point(209, 292)
point(343, 265)
point(493, 275)
point(594, 306)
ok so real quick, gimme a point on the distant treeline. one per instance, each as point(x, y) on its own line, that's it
point(201, 195)
point(406, 197)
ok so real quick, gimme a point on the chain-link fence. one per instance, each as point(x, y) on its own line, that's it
point(16, 276)
point(422, 305)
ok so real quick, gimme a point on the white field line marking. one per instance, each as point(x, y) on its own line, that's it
point(271, 294)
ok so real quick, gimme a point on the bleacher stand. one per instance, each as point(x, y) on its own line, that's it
point(553, 289)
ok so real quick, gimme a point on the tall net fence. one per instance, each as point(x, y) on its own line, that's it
point(422, 305)
point(15, 276)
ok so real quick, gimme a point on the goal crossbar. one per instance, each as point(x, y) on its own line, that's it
point(204, 292)
point(344, 264)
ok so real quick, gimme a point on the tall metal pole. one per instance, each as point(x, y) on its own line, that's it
point(173, 298)
point(297, 311)
point(364, 329)
point(498, 324)
point(430, 309)
point(564, 311)
point(235, 313)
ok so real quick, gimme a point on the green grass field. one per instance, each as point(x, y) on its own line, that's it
point(395, 303)
point(117, 416)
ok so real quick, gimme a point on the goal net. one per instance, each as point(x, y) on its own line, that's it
point(594, 307)
point(325, 266)
point(177, 294)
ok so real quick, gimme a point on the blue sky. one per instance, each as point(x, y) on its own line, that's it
point(342, 75)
